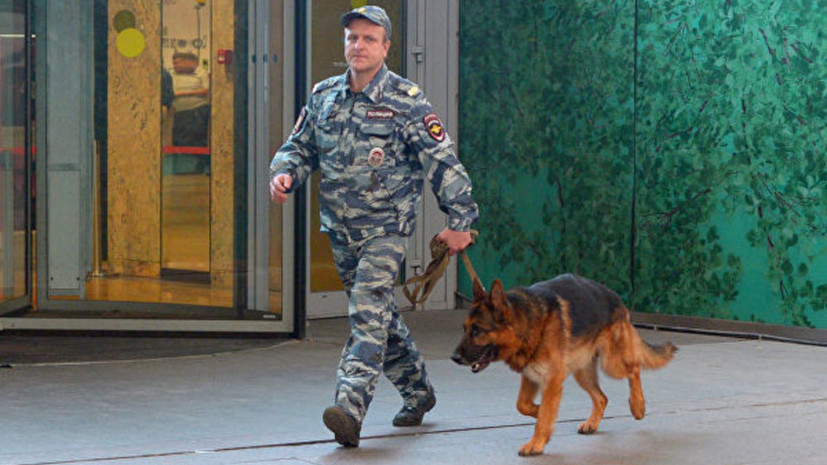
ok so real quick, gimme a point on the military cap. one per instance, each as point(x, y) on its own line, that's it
point(372, 13)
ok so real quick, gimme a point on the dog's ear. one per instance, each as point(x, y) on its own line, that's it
point(499, 301)
point(479, 291)
point(498, 298)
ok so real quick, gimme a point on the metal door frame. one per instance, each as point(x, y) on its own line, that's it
point(25, 301)
point(258, 250)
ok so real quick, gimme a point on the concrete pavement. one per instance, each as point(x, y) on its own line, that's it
point(721, 401)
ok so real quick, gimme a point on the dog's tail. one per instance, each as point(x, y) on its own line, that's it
point(634, 350)
point(653, 356)
point(625, 348)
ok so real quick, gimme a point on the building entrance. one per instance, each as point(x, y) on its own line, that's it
point(148, 194)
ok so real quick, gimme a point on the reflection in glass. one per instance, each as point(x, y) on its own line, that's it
point(185, 94)
point(14, 185)
point(155, 187)
point(190, 102)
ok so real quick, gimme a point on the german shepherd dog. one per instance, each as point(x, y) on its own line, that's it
point(553, 328)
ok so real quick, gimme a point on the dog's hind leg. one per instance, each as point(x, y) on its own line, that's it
point(587, 378)
point(628, 348)
point(621, 358)
point(637, 403)
point(525, 399)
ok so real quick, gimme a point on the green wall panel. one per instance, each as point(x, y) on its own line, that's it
point(697, 191)
point(546, 103)
point(730, 161)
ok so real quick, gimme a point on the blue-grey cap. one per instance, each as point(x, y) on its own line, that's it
point(372, 13)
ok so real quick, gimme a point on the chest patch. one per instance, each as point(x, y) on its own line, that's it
point(380, 113)
point(434, 127)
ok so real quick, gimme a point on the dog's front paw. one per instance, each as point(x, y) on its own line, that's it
point(531, 448)
point(587, 428)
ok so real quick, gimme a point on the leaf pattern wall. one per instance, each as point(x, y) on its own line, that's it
point(674, 152)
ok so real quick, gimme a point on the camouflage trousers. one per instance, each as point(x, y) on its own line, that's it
point(379, 339)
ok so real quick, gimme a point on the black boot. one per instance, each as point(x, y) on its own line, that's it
point(344, 426)
point(412, 416)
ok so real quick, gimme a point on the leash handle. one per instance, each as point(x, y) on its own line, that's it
point(426, 282)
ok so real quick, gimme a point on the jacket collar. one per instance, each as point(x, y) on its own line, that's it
point(375, 88)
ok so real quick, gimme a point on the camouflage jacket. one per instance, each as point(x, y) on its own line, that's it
point(374, 148)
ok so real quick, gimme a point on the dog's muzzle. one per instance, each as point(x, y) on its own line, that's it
point(478, 363)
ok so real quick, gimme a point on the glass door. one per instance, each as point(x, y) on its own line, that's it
point(148, 209)
point(158, 122)
point(163, 176)
point(16, 186)
point(186, 66)
point(326, 294)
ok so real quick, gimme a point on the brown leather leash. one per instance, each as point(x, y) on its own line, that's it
point(426, 282)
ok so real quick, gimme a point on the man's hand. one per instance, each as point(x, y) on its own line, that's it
point(279, 186)
point(456, 241)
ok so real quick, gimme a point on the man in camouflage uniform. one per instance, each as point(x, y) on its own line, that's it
point(374, 136)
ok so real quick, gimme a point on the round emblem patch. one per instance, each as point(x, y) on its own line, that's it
point(376, 157)
point(300, 121)
point(434, 127)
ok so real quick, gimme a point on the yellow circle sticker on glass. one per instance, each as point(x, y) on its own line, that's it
point(131, 42)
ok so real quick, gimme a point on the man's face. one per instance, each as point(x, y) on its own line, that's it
point(365, 46)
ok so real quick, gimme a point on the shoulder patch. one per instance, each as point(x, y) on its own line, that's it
point(300, 121)
point(434, 127)
point(413, 91)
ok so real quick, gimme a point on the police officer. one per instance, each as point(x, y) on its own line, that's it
point(375, 139)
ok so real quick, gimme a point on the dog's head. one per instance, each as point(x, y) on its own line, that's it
point(487, 327)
